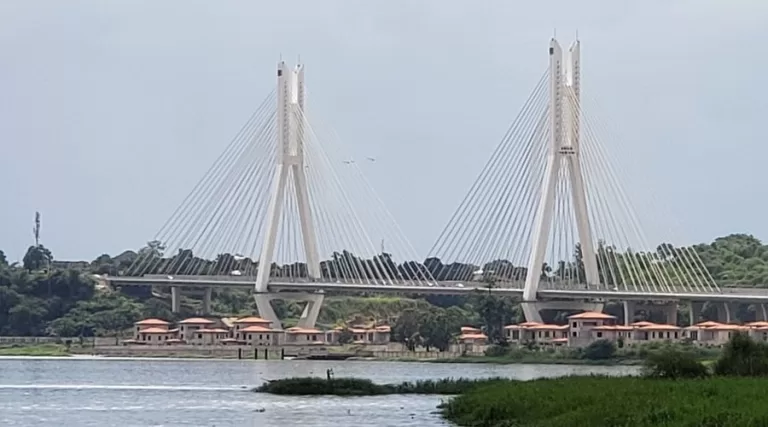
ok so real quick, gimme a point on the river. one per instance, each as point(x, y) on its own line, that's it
point(100, 392)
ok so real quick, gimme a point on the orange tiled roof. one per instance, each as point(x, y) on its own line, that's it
point(613, 328)
point(297, 330)
point(154, 331)
point(252, 319)
point(728, 328)
point(255, 328)
point(384, 328)
point(469, 329)
point(659, 327)
point(196, 321)
point(642, 323)
point(758, 324)
point(213, 331)
point(544, 326)
point(707, 324)
point(152, 322)
point(591, 315)
point(473, 337)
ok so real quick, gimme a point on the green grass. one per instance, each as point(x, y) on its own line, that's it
point(33, 350)
point(362, 387)
point(613, 401)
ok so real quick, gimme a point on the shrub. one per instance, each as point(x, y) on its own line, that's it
point(743, 357)
point(599, 350)
point(673, 363)
point(496, 351)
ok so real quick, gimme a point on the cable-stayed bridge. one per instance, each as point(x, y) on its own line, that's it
point(546, 220)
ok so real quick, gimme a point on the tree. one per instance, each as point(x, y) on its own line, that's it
point(346, 336)
point(3, 259)
point(37, 257)
point(600, 350)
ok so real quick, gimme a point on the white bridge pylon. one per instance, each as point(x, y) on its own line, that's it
point(284, 202)
point(547, 210)
point(290, 161)
point(564, 82)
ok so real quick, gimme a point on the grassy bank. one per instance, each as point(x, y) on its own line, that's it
point(533, 360)
point(34, 350)
point(613, 401)
point(363, 387)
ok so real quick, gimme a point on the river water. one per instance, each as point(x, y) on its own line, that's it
point(101, 392)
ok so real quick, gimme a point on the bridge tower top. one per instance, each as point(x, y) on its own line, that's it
point(290, 164)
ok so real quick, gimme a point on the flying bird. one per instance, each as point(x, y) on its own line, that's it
point(373, 159)
point(348, 162)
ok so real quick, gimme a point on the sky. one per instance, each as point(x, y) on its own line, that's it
point(110, 111)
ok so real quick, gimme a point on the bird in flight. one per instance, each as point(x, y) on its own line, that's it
point(348, 162)
point(373, 159)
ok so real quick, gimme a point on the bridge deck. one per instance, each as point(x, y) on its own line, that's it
point(727, 294)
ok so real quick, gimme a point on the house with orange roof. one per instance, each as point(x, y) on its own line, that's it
point(714, 333)
point(305, 336)
point(540, 333)
point(189, 329)
point(377, 335)
point(148, 323)
point(472, 338)
point(581, 325)
point(155, 336)
point(258, 335)
point(656, 332)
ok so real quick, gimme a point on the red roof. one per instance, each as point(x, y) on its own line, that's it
point(196, 321)
point(152, 322)
point(297, 330)
point(252, 319)
point(255, 328)
point(592, 315)
point(154, 331)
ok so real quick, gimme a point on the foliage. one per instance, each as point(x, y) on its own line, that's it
point(612, 401)
point(37, 257)
point(673, 363)
point(365, 387)
point(600, 350)
point(346, 336)
point(742, 356)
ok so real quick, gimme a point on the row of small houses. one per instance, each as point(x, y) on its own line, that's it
point(253, 331)
point(585, 328)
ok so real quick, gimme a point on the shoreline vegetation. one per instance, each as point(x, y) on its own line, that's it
point(675, 389)
point(313, 386)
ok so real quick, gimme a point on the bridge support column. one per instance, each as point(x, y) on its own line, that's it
point(532, 310)
point(695, 312)
point(670, 313)
point(175, 299)
point(309, 316)
point(207, 294)
point(630, 308)
point(726, 312)
point(761, 312)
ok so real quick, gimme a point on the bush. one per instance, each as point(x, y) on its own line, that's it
point(742, 356)
point(600, 350)
point(496, 351)
point(613, 401)
point(673, 363)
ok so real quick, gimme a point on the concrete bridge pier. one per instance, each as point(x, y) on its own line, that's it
point(175, 299)
point(207, 294)
point(309, 316)
point(670, 312)
point(726, 312)
point(694, 311)
point(630, 308)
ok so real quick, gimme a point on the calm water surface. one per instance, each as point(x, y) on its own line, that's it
point(173, 393)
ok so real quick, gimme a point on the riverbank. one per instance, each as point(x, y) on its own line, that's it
point(35, 350)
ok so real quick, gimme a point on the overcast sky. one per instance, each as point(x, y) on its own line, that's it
point(110, 110)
